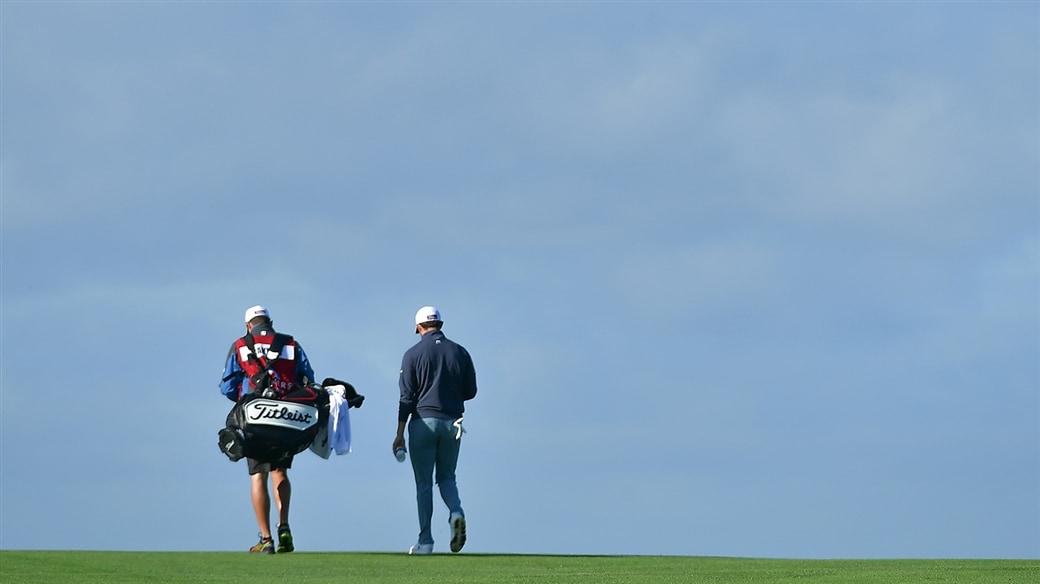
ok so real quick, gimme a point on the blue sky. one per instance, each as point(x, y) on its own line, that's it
point(740, 279)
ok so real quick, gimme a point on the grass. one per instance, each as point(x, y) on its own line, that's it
point(78, 567)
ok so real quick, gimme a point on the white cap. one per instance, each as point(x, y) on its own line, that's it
point(427, 314)
point(255, 311)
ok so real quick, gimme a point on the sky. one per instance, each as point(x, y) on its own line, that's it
point(750, 279)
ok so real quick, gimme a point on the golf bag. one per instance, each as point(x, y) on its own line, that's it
point(269, 429)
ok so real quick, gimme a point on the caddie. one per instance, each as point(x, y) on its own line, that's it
point(252, 365)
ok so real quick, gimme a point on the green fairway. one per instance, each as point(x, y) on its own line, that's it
point(63, 567)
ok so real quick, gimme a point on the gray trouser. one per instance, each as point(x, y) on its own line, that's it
point(433, 447)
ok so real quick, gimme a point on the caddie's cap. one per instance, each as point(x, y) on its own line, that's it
point(255, 311)
point(427, 314)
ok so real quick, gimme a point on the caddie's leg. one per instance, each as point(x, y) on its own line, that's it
point(261, 503)
point(282, 493)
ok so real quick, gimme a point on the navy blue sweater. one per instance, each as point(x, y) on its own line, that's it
point(437, 376)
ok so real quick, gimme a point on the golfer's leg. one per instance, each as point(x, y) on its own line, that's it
point(422, 451)
point(261, 502)
point(447, 460)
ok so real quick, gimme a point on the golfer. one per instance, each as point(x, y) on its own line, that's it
point(437, 377)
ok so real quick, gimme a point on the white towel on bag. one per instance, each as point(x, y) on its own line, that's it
point(339, 422)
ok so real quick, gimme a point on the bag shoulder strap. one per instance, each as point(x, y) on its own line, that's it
point(271, 354)
point(261, 380)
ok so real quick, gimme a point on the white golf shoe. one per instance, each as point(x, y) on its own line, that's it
point(421, 549)
point(458, 532)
